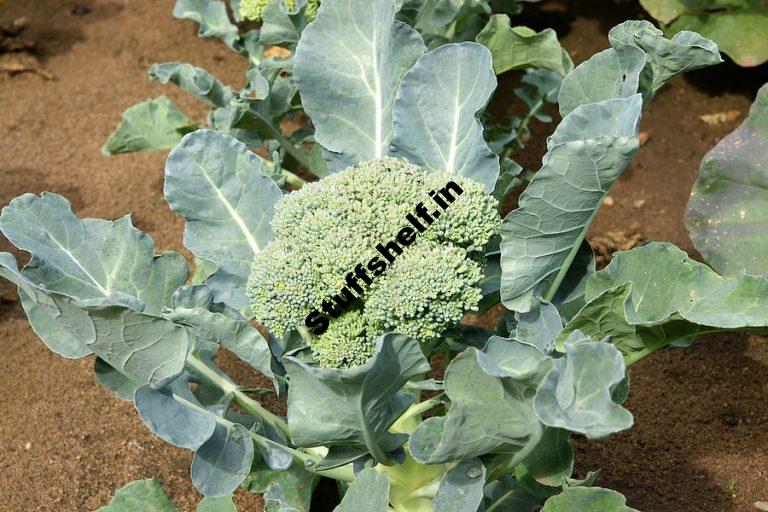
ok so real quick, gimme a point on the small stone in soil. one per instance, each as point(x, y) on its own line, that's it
point(608, 201)
point(80, 9)
point(639, 203)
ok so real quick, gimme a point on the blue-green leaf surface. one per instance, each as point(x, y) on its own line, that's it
point(369, 492)
point(216, 184)
point(148, 126)
point(216, 504)
point(348, 77)
point(196, 81)
point(436, 108)
point(587, 499)
point(461, 489)
point(223, 461)
point(145, 495)
point(354, 406)
point(211, 16)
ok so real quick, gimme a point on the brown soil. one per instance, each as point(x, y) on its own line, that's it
point(700, 441)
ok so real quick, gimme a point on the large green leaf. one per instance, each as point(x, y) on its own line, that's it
point(587, 499)
point(216, 184)
point(148, 126)
point(356, 406)
point(653, 295)
point(196, 81)
point(348, 78)
point(284, 491)
point(738, 27)
point(591, 147)
point(369, 492)
point(145, 495)
point(542, 237)
point(211, 16)
point(436, 108)
point(577, 394)
point(221, 464)
point(727, 213)
point(505, 375)
point(90, 258)
point(522, 48)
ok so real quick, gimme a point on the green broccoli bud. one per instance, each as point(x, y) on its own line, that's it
point(427, 288)
point(323, 230)
point(253, 10)
point(349, 341)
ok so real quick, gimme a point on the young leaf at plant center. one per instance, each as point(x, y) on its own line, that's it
point(216, 184)
point(726, 214)
point(576, 394)
point(438, 129)
point(196, 81)
point(356, 406)
point(369, 491)
point(348, 79)
point(474, 427)
point(587, 499)
point(145, 495)
point(148, 126)
point(522, 48)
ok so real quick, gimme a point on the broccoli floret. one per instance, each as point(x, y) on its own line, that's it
point(253, 10)
point(325, 229)
point(349, 341)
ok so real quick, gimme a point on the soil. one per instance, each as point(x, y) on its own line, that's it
point(700, 440)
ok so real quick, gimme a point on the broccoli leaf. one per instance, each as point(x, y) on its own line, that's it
point(369, 491)
point(216, 504)
point(522, 48)
point(212, 18)
point(196, 81)
point(216, 184)
point(461, 489)
point(148, 126)
point(90, 258)
point(354, 407)
point(587, 499)
point(437, 127)
point(122, 386)
point(506, 370)
point(146, 495)
point(284, 491)
point(223, 461)
point(726, 213)
point(348, 78)
point(577, 393)
point(653, 295)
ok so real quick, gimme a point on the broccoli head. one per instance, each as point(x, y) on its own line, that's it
point(253, 10)
point(328, 228)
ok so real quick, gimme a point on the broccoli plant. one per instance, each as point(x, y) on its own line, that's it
point(255, 113)
point(397, 126)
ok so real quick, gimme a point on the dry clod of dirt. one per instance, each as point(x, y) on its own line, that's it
point(610, 242)
point(643, 137)
point(761, 505)
point(721, 117)
point(277, 52)
point(17, 52)
point(608, 201)
point(638, 203)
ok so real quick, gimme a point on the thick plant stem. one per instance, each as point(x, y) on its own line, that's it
point(308, 460)
point(292, 179)
point(248, 404)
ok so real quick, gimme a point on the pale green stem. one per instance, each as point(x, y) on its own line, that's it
point(293, 179)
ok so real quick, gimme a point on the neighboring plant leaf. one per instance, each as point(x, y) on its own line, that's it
point(148, 126)
point(727, 212)
point(551, 461)
point(223, 461)
point(475, 427)
point(576, 394)
point(348, 78)
point(216, 184)
point(522, 48)
point(356, 406)
point(506, 495)
point(196, 81)
point(369, 492)
point(145, 495)
point(90, 258)
point(461, 489)
point(587, 499)
point(738, 28)
point(212, 18)
point(437, 128)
